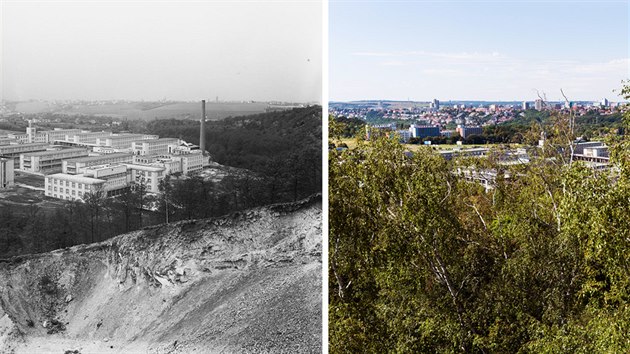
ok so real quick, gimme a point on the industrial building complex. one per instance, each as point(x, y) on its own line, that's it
point(74, 162)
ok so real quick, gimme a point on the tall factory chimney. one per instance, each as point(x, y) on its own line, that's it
point(202, 130)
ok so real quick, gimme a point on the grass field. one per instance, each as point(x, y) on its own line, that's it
point(21, 200)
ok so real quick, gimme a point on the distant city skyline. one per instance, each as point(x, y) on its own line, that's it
point(478, 50)
point(151, 50)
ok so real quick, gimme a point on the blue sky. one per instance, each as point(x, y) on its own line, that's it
point(478, 50)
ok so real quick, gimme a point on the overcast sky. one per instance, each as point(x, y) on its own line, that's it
point(184, 50)
point(478, 50)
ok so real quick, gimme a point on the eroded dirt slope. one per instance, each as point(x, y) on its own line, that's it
point(247, 282)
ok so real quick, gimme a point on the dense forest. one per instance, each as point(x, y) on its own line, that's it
point(277, 157)
point(286, 144)
point(423, 261)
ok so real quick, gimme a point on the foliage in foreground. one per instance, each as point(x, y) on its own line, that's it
point(422, 261)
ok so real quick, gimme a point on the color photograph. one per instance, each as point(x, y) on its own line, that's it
point(479, 177)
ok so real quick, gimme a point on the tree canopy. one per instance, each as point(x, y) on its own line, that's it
point(423, 260)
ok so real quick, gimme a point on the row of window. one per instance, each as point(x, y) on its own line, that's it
point(68, 191)
point(69, 184)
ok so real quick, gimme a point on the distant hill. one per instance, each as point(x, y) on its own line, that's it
point(146, 110)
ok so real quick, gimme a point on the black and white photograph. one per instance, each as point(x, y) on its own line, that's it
point(161, 176)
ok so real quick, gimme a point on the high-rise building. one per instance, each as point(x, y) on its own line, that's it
point(604, 102)
point(435, 104)
point(538, 104)
point(525, 105)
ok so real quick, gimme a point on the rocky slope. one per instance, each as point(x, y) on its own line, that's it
point(246, 282)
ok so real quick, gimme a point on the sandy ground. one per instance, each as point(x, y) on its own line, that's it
point(249, 282)
point(45, 345)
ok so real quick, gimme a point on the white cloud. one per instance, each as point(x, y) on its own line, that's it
point(374, 54)
point(444, 55)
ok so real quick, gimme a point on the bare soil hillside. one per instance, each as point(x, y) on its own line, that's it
point(247, 282)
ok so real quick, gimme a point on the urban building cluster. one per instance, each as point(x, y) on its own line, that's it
point(593, 154)
point(74, 162)
point(447, 116)
point(421, 131)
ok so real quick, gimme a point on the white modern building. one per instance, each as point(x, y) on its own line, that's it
point(124, 141)
point(147, 175)
point(192, 163)
point(86, 137)
point(48, 161)
point(116, 177)
point(160, 146)
point(107, 179)
point(5, 140)
point(13, 151)
point(71, 187)
point(46, 136)
point(78, 165)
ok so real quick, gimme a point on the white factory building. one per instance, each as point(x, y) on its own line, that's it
point(71, 187)
point(100, 161)
point(108, 179)
point(161, 146)
point(48, 161)
point(123, 141)
point(78, 165)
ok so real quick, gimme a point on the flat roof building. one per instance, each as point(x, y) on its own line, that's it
point(465, 131)
point(71, 187)
point(147, 175)
point(110, 180)
point(124, 141)
point(191, 163)
point(86, 137)
point(473, 152)
point(46, 136)
point(424, 131)
point(5, 140)
point(160, 146)
point(48, 161)
point(78, 165)
point(14, 151)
